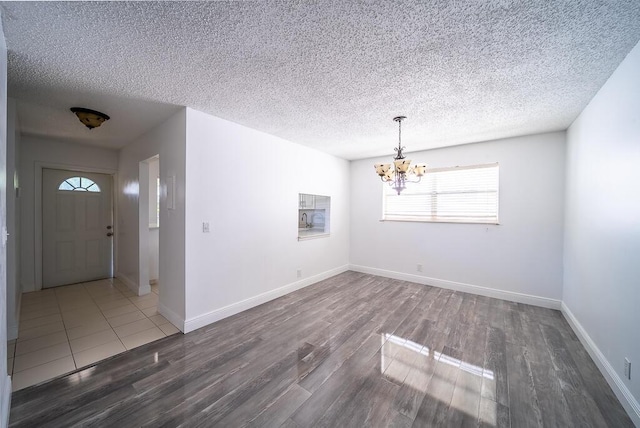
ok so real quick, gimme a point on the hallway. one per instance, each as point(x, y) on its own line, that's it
point(66, 328)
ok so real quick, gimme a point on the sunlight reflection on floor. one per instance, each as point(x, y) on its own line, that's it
point(456, 382)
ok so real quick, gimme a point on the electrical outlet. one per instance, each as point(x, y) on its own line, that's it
point(627, 368)
point(419, 267)
point(205, 227)
point(299, 272)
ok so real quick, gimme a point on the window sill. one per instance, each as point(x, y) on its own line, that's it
point(312, 236)
point(485, 223)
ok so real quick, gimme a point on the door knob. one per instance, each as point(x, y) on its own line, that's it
point(110, 234)
point(109, 227)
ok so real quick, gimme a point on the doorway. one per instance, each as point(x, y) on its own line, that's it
point(77, 227)
point(154, 222)
point(149, 226)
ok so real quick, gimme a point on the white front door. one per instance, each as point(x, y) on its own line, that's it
point(77, 227)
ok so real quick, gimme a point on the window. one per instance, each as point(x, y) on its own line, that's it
point(313, 216)
point(467, 194)
point(79, 184)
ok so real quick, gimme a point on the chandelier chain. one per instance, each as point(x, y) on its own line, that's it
point(399, 154)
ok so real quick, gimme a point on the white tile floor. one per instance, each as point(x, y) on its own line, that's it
point(66, 328)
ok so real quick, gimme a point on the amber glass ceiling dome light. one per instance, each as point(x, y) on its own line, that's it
point(90, 118)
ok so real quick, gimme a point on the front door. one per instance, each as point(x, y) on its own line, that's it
point(77, 228)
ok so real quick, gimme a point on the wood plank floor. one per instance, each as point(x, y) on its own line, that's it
point(354, 350)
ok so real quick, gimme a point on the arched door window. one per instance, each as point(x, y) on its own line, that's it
point(79, 184)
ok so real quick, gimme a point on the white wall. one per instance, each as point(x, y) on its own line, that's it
point(602, 228)
point(5, 381)
point(36, 152)
point(14, 288)
point(245, 184)
point(168, 141)
point(520, 259)
point(154, 254)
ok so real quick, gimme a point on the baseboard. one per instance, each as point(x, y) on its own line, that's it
point(133, 286)
point(29, 287)
point(173, 318)
point(218, 314)
point(144, 289)
point(627, 399)
point(459, 286)
point(139, 290)
point(12, 331)
point(13, 327)
point(6, 401)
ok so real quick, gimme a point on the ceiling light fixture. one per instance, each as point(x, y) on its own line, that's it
point(90, 118)
point(401, 172)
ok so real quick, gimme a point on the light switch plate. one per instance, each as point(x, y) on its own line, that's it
point(627, 368)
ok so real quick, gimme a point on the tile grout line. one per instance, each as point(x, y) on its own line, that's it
point(66, 333)
point(55, 296)
point(58, 298)
point(72, 354)
point(137, 308)
point(105, 317)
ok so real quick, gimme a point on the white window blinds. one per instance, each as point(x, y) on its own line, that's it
point(467, 194)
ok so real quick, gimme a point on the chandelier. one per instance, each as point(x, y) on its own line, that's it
point(402, 173)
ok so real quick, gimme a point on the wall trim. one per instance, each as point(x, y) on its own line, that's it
point(14, 326)
point(128, 282)
point(144, 289)
point(234, 308)
point(6, 401)
point(139, 290)
point(171, 316)
point(512, 296)
point(625, 396)
point(12, 331)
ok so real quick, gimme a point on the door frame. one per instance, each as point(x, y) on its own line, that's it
point(143, 227)
point(39, 166)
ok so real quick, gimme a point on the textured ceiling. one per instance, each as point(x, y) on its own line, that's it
point(326, 74)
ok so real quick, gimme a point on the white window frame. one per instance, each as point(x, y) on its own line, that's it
point(433, 193)
point(92, 187)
